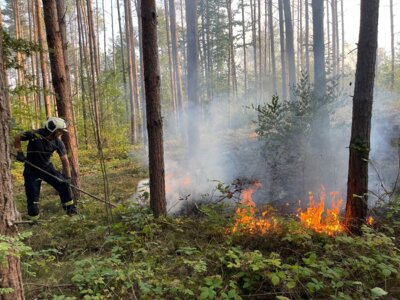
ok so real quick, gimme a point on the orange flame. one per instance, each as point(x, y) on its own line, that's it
point(246, 221)
point(370, 220)
point(315, 218)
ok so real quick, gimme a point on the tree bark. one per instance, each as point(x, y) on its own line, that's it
point(175, 59)
point(357, 185)
point(392, 45)
point(244, 47)
point(170, 64)
point(10, 271)
point(123, 60)
point(131, 71)
point(153, 107)
point(141, 76)
point(319, 48)
point(307, 37)
point(283, 56)
point(272, 46)
point(43, 60)
point(231, 47)
point(290, 48)
point(60, 83)
point(192, 64)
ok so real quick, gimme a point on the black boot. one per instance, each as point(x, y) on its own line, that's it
point(33, 210)
point(70, 209)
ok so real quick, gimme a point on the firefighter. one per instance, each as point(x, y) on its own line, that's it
point(41, 145)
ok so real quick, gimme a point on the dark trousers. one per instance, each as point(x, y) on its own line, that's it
point(33, 181)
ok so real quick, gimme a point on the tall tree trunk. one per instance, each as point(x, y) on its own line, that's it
point(254, 37)
point(334, 35)
point(392, 45)
point(71, 138)
point(175, 59)
point(113, 35)
point(83, 64)
point(319, 48)
point(357, 184)
point(272, 46)
point(105, 36)
point(290, 48)
point(283, 56)
point(131, 71)
point(141, 75)
point(123, 60)
point(300, 37)
point(158, 202)
point(10, 271)
point(170, 64)
point(231, 47)
point(260, 54)
point(32, 38)
point(328, 35)
point(20, 58)
point(244, 47)
point(307, 37)
point(43, 60)
point(343, 40)
point(92, 36)
point(60, 83)
point(192, 62)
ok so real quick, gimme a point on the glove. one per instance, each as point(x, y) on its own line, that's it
point(20, 156)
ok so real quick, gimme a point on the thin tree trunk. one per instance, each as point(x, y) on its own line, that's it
point(282, 43)
point(83, 62)
point(32, 39)
point(113, 35)
point(260, 52)
point(123, 60)
point(10, 270)
point(300, 36)
point(231, 47)
point(170, 65)
point(92, 36)
point(392, 45)
point(334, 35)
point(192, 61)
point(20, 58)
point(244, 48)
point(132, 90)
point(141, 75)
point(105, 36)
point(290, 48)
point(254, 38)
point(272, 46)
point(357, 185)
point(158, 201)
point(307, 37)
point(319, 48)
point(343, 40)
point(328, 44)
point(175, 59)
point(43, 60)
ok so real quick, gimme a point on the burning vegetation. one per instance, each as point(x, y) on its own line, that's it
point(316, 216)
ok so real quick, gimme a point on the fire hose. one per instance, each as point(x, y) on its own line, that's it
point(60, 180)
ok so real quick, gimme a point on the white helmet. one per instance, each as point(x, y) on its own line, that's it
point(54, 123)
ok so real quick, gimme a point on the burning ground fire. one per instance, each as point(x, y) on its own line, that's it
point(245, 219)
point(314, 217)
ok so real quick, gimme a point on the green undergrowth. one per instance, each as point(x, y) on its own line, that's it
point(131, 255)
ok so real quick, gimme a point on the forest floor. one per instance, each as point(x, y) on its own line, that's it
point(130, 255)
